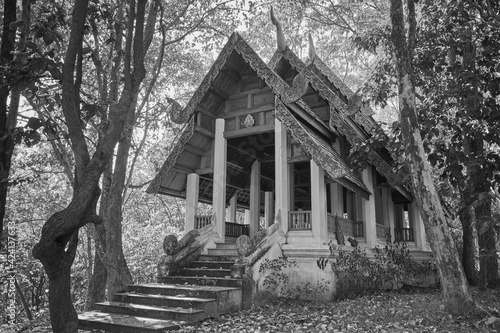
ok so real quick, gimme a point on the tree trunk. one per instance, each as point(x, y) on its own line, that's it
point(119, 275)
point(456, 293)
point(97, 285)
point(469, 245)
point(6, 139)
point(97, 288)
point(61, 228)
point(477, 186)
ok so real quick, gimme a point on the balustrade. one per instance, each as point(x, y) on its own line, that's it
point(404, 235)
point(349, 228)
point(300, 220)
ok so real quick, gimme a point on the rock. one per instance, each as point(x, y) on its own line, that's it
point(243, 245)
point(170, 245)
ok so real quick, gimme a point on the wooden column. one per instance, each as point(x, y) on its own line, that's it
point(370, 228)
point(281, 175)
point(390, 214)
point(318, 204)
point(192, 191)
point(254, 198)
point(219, 191)
point(336, 199)
point(269, 208)
point(232, 209)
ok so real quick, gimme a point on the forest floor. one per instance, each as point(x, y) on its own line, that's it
point(396, 311)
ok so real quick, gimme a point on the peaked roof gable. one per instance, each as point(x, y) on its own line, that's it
point(283, 92)
point(340, 119)
point(236, 43)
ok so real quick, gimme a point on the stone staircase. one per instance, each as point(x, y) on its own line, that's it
point(204, 289)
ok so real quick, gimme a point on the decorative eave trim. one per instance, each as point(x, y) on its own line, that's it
point(209, 77)
point(178, 148)
point(334, 167)
point(338, 110)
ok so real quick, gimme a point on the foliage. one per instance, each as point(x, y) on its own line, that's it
point(277, 279)
point(391, 268)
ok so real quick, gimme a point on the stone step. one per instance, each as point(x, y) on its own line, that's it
point(156, 312)
point(206, 304)
point(223, 253)
point(208, 272)
point(231, 246)
point(113, 322)
point(202, 281)
point(182, 289)
point(229, 299)
point(224, 257)
point(211, 264)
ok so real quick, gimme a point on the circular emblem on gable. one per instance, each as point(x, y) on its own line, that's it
point(249, 121)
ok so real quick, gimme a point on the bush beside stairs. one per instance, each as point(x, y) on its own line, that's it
point(204, 289)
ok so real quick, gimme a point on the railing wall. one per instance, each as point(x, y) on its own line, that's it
point(349, 228)
point(202, 220)
point(404, 235)
point(300, 220)
point(232, 229)
point(236, 229)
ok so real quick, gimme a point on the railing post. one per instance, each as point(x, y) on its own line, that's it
point(192, 189)
point(219, 179)
point(281, 174)
point(318, 203)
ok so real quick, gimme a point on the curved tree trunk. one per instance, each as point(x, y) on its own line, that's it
point(6, 139)
point(60, 230)
point(456, 293)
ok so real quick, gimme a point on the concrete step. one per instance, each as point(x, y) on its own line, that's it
point(213, 264)
point(223, 253)
point(229, 299)
point(156, 312)
point(219, 257)
point(208, 272)
point(231, 246)
point(206, 304)
point(181, 289)
point(202, 281)
point(113, 322)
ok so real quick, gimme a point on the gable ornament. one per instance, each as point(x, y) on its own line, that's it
point(249, 121)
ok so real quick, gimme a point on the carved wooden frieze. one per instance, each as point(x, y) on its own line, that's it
point(327, 158)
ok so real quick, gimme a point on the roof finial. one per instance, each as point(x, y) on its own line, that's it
point(312, 50)
point(279, 32)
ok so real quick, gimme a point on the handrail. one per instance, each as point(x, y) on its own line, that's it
point(300, 220)
point(179, 253)
point(250, 251)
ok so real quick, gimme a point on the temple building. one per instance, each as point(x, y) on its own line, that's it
point(254, 143)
